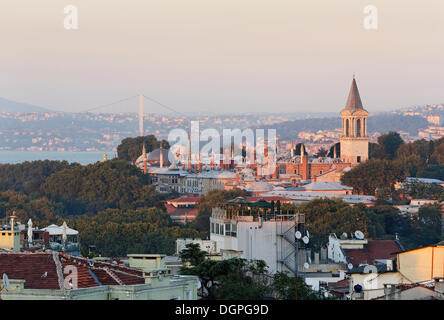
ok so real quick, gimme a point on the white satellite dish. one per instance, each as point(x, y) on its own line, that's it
point(6, 284)
point(326, 294)
point(305, 239)
point(298, 234)
point(344, 235)
point(308, 234)
point(306, 265)
point(350, 266)
point(359, 235)
point(160, 277)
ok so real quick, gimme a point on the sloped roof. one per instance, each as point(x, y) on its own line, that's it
point(56, 230)
point(354, 100)
point(179, 212)
point(39, 270)
point(374, 249)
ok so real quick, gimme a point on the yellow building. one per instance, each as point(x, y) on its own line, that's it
point(420, 266)
point(10, 236)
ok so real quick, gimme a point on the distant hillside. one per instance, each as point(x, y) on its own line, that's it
point(381, 123)
point(14, 106)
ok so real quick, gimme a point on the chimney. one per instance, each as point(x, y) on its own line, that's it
point(237, 178)
point(12, 222)
point(389, 290)
point(439, 285)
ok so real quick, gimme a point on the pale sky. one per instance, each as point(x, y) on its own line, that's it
point(222, 55)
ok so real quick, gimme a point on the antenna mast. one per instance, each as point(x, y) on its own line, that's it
point(141, 115)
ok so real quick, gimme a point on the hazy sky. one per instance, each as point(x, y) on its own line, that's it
point(222, 55)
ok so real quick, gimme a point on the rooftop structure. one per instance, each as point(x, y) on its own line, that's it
point(53, 275)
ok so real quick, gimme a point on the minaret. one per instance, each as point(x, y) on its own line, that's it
point(144, 159)
point(354, 140)
point(200, 163)
point(189, 154)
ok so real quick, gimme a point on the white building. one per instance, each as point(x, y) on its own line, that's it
point(255, 238)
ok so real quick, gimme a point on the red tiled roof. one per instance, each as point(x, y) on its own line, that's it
point(179, 212)
point(32, 266)
point(185, 200)
point(374, 249)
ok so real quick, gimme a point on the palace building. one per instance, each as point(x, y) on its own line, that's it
point(293, 169)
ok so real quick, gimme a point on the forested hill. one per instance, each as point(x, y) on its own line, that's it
point(381, 123)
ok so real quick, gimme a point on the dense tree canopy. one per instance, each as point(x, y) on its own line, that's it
point(388, 145)
point(27, 177)
point(116, 232)
point(325, 216)
point(93, 188)
point(373, 175)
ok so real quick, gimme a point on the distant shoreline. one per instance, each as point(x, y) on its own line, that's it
point(82, 157)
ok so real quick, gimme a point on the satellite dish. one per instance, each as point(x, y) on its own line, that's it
point(160, 277)
point(344, 235)
point(358, 288)
point(305, 239)
point(308, 234)
point(6, 284)
point(359, 235)
point(326, 294)
point(350, 266)
point(298, 234)
point(306, 265)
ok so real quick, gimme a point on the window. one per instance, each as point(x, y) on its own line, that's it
point(228, 229)
point(347, 132)
point(217, 228)
point(358, 159)
point(212, 227)
point(358, 128)
point(233, 230)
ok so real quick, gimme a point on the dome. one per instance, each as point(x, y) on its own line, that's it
point(259, 187)
point(226, 175)
point(153, 158)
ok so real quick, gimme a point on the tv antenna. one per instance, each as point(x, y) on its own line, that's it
point(359, 235)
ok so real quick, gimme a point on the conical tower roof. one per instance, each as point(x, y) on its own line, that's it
point(354, 100)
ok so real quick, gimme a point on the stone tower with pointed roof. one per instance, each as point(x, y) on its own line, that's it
point(354, 139)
